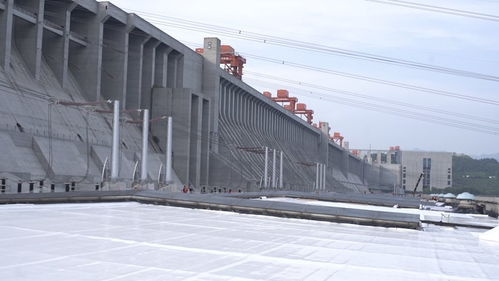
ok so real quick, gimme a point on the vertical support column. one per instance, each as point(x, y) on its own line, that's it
point(115, 160)
point(161, 65)
point(205, 141)
point(320, 175)
point(55, 48)
point(169, 150)
point(6, 18)
point(317, 176)
point(281, 185)
point(324, 177)
point(136, 41)
point(274, 172)
point(145, 144)
point(266, 170)
point(211, 83)
point(63, 75)
point(148, 66)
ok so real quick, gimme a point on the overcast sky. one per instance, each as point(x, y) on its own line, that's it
point(359, 25)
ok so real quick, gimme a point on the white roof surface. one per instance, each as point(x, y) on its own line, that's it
point(425, 215)
point(130, 241)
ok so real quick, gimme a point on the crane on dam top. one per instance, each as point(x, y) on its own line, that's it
point(231, 61)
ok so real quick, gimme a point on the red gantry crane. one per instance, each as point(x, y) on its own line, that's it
point(232, 62)
point(338, 138)
point(291, 104)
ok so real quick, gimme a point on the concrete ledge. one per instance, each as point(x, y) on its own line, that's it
point(225, 203)
point(354, 198)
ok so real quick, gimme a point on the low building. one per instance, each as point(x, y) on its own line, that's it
point(436, 167)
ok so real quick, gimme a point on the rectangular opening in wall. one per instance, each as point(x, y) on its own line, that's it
point(31, 187)
point(66, 187)
point(20, 187)
point(52, 187)
point(3, 185)
point(97, 187)
point(73, 186)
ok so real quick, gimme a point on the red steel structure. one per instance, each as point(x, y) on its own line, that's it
point(337, 138)
point(291, 104)
point(283, 97)
point(301, 109)
point(232, 62)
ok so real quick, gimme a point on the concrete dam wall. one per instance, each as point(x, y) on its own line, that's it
point(61, 62)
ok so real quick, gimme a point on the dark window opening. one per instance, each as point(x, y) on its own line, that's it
point(52, 187)
point(20, 187)
point(73, 186)
point(3, 186)
point(67, 187)
point(31, 187)
point(97, 187)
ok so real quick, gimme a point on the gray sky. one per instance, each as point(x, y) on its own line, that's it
point(426, 37)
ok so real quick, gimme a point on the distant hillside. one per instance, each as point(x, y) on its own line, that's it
point(484, 156)
point(480, 177)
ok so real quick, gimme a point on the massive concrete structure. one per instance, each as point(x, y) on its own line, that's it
point(61, 60)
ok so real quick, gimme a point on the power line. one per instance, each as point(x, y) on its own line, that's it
point(303, 45)
point(383, 100)
point(375, 80)
point(433, 8)
point(402, 112)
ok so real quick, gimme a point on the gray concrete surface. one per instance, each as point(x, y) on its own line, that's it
point(87, 51)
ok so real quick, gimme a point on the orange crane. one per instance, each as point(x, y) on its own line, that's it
point(301, 109)
point(283, 96)
point(292, 104)
point(232, 62)
point(338, 138)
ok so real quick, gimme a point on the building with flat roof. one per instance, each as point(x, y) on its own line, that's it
point(434, 168)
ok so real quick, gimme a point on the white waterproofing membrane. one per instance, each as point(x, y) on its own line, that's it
point(425, 215)
point(132, 241)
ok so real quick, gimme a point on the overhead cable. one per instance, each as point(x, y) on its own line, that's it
point(375, 80)
point(402, 112)
point(309, 46)
point(439, 9)
point(377, 99)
